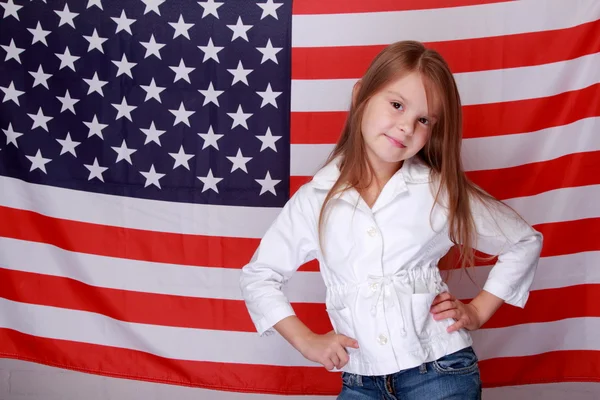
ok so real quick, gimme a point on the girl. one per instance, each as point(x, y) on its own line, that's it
point(390, 202)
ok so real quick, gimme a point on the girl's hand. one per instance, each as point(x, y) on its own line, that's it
point(328, 350)
point(447, 306)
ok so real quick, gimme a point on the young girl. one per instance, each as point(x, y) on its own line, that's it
point(390, 202)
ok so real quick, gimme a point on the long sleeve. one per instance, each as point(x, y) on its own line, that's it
point(518, 246)
point(288, 243)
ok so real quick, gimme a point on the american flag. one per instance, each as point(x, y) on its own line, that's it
point(150, 143)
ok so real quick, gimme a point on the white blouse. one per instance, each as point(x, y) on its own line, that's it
point(379, 266)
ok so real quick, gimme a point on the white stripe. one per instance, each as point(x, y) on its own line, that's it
point(546, 144)
point(249, 348)
point(65, 384)
point(481, 87)
point(121, 211)
point(223, 283)
point(482, 153)
point(453, 23)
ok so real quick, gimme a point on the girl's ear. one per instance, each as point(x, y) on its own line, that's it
point(355, 91)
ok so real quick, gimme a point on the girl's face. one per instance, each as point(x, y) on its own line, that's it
point(396, 122)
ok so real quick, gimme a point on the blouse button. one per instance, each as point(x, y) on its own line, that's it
point(372, 231)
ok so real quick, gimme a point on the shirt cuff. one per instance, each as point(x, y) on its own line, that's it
point(265, 325)
point(506, 293)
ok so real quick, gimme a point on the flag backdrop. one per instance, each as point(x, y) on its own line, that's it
point(148, 144)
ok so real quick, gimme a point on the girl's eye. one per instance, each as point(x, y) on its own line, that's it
point(397, 105)
point(424, 121)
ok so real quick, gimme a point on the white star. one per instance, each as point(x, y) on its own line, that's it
point(153, 91)
point(66, 16)
point(152, 47)
point(239, 118)
point(124, 109)
point(95, 128)
point(239, 30)
point(152, 5)
point(181, 158)
point(40, 77)
point(67, 102)
point(182, 72)
point(10, 93)
point(239, 161)
point(40, 120)
point(182, 115)
point(152, 134)
point(210, 7)
point(268, 140)
point(210, 138)
point(38, 161)
point(211, 51)
point(181, 28)
point(10, 8)
point(12, 51)
point(95, 84)
point(269, 8)
point(269, 97)
point(68, 145)
point(211, 95)
point(240, 74)
point(67, 60)
point(97, 3)
point(123, 153)
point(269, 52)
point(123, 23)
point(95, 42)
point(39, 35)
point(96, 170)
point(210, 182)
point(11, 135)
point(124, 66)
point(152, 177)
point(268, 184)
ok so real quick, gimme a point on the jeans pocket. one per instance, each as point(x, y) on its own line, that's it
point(462, 362)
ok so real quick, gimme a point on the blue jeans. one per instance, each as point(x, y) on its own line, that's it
point(455, 376)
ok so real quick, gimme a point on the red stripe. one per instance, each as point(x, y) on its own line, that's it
point(498, 52)
point(570, 237)
point(556, 366)
point(563, 366)
point(573, 170)
point(360, 6)
point(481, 120)
point(231, 315)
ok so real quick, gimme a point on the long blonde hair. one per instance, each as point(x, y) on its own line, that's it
point(442, 152)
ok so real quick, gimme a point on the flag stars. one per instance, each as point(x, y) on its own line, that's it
point(95, 128)
point(240, 74)
point(123, 152)
point(124, 66)
point(96, 170)
point(12, 51)
point(97, 3)
point(124, 109)
point(40, 78)
point(95, 84)
point(152, 177)
point(66, 16)
point(181, 28)
point(210, 8)
point(11, 9)
point(123, 23)
point(68, 103)
point(182, 72)
point(269, 52)
point(211, 51)
point(152, 5)
point(152, 48)
point(239, 161)
point(269, 97)
point(39, 35)
point(268, 140)
point(67, 60)
point(38, 162)
point(11, 93)
point(267, 184)
point(210, 138)
point(11, 135)
point(68, 145)
point(153, 91)
point(95, 42)
point(181, 159)
point(239, 118)
point(152, 134)
point(239, 30)
point(40, 120)
point(211, 95)
point(269, 9)
point(210, 182)
point(182, 115)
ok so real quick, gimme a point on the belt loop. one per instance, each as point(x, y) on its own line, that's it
point(423, 369)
